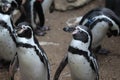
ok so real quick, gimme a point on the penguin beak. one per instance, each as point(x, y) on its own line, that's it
point(18, 30)
point(69, 29)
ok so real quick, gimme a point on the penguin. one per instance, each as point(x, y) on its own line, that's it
point(101, 22)
point(32, 59)
point(80, 59)
point(7, 40)
point(33, 11)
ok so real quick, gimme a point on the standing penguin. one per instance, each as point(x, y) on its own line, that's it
point(80, 59)
point(33, 11)
point(32, 59)
point(101, 22)
point(7, 41)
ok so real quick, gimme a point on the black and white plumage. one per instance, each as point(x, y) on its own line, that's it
point(80, 59)
point(32, 59)
point(101, 22)
point(8, 6)
point(33, 11)
point(7, 41)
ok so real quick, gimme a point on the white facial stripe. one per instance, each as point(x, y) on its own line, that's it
point(79, 44)
point(79, 27)
point(29, 41)
point(75, 31)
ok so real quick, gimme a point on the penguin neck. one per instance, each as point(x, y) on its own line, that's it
point(22, 40)
point(80, 48)
point(7, 18)
point(80, 45)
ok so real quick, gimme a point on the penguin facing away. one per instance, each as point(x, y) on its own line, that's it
point(33, 11)
point(101, 22)
point(81, 61)
point(32, 59)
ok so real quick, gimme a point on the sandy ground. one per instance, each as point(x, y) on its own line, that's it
point(109, 66)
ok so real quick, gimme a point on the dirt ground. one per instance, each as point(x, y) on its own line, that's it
point(58, 42)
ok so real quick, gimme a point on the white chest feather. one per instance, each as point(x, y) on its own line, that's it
point(8, 47)
point(99, 32)
point(80, 67)
point(31, 67)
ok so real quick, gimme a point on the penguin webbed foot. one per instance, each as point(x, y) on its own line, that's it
point(101, 51)
point(44, 28)
point(41, 31)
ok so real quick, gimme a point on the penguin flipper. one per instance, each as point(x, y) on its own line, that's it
point(52, 7)
point(62, 65)
point(13, 67)
point(47, 65)
point(94, 66)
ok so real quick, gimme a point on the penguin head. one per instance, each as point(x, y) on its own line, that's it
point(79, 32)
point(7, 6)
point(24, 30)
point(82, 33)
point(82, 37)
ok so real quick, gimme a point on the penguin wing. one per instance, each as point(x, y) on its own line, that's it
point(47, 64)
point(43, 57)
point(62, 65)
point(94, 66)
point(13, 67)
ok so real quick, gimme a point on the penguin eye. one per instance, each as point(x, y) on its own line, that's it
point(24, 27)
point(77, 28)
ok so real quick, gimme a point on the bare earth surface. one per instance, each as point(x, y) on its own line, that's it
point(58, 42)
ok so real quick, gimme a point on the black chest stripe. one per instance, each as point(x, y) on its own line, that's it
point(9, 29)
point(30, 46)
point(79, 52)
point(84, 53)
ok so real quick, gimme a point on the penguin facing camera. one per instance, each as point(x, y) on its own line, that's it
point(7, 7)
point(32, 59)
point(80, 59)
point(7, 40)
point(101, 22)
